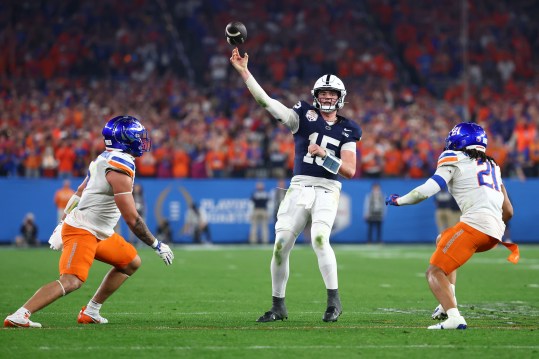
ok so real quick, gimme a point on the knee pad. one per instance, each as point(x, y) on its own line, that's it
point(284, 240)
point(320, 235)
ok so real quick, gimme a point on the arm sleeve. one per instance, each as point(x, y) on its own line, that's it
point(419, 193)
point(282, 113)
point(432, 186)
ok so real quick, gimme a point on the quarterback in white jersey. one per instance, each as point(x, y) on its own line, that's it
point(475, 181)
point(325, 147)
point(87, 233)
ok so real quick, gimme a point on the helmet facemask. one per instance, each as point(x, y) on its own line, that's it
point(329, 83)
point(127, 134)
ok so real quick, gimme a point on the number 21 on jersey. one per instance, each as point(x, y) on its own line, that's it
point(487, 175)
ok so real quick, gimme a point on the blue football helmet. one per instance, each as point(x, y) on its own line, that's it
point(466, 135)
point(126, 133)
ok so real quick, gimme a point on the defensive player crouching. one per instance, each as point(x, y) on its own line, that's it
point(87, 232)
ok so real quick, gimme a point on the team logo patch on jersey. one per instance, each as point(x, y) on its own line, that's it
point(311, 115)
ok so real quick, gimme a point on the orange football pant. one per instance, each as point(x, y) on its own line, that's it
point(82, 247)
point(458, 244)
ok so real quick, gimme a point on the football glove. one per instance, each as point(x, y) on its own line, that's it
point(164, 252)
point(55, 240)
point(391, 200)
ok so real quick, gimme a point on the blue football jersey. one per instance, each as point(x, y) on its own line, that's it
point(314, 129)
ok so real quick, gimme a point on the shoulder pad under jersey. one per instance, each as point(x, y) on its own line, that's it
point(449, 157)
point(121, 161)
point(351, 129)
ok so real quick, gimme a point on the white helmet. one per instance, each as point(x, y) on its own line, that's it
point(331, 83)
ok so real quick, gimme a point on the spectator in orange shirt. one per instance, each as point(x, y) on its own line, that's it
point(32, 163)
point(393, 161)
point(498, 150)
point(61, 197)
point(371, 159)
point(524, 133)
point(146, 165)
point(415, 165)
point(237, 156)
point(65, 156)
point(180, 163)
point(215, 162)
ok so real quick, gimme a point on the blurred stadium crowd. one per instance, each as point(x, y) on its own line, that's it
point(66, 66)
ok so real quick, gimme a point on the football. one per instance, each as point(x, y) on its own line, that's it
point(236, 33)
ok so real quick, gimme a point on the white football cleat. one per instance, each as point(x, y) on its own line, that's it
point(85, 318)
point(20, 321)
point(439, 313)
point(451, 323)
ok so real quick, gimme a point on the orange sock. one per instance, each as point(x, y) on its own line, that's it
point(515, 253)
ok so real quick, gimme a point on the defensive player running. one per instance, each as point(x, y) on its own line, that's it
point(475, 181)
point(87, 232)
point(325, 147)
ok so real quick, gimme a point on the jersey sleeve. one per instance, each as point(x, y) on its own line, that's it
point(122, 164)
point(356, 132)
point(351, 134)
point(447, 158)
point(300, 108)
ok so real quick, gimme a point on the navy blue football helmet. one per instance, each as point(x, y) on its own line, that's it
point(126, 133)
point(466, 135)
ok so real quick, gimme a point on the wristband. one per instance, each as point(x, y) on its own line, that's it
point(331, 163)
point(155, 244)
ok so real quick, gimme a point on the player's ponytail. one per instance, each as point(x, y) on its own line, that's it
point(479, 155)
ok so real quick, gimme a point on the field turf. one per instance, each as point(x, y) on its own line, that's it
point(205, 306)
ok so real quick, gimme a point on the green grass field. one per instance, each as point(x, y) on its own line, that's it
point(205, 306)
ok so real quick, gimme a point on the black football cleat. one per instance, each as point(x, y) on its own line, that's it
point(270, 316)
point(331, 314)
